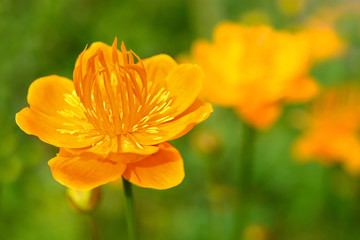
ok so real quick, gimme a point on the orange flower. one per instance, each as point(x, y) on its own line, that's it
point(255, 70)
point(332, 129)
point(324, 42)
point(116, 117)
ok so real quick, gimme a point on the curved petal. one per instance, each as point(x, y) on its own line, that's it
point(196, 113)
point(84, 171)
point(162, 170)
point(184, 84)
point(55, 115)
point(183, 81)
point(158, 67)
point(260, 117)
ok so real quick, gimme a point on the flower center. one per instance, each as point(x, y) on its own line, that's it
point(116, 96)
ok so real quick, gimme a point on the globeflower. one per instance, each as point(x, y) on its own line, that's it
point(255, 70)
point(332, 126)
point(115, 118)
point(324, 42)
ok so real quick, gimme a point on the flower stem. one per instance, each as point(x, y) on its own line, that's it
point(244, 179)
point(94, 228)
point(129, 208)
point(246, 160)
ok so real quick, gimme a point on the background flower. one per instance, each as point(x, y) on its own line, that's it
point(332, 129)
point(255, 69)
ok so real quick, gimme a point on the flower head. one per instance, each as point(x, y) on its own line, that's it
point(332, 129)
point(115, 118)
point(255, 70)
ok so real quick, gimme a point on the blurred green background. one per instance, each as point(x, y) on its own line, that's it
point(288, 200)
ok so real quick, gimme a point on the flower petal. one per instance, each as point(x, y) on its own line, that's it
point(183, 81)
point(261, 117)
point(183, 123)
point(184, 84)
point(327, 145)
point(324, 41)
point(85, 171)
point(301, 90)
point(218, 71)
point(162, 170)
point(118, 149)
point(158, 67)
point(54, 115)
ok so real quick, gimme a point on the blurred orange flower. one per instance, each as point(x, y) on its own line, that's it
point(332, 129)
point(255, 70)
point(324, 42)
point(116, 117)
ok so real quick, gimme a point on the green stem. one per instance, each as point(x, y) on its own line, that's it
point(94, 228)
point(244, 178)
point(246, 160)
point(212, 168)
point(129, 208)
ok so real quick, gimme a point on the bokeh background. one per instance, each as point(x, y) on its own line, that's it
point(289, 199)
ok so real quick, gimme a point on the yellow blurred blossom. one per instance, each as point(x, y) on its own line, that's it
point(332, 129)
point(255, 70)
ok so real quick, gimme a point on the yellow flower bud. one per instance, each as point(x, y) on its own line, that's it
point(83, 201)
